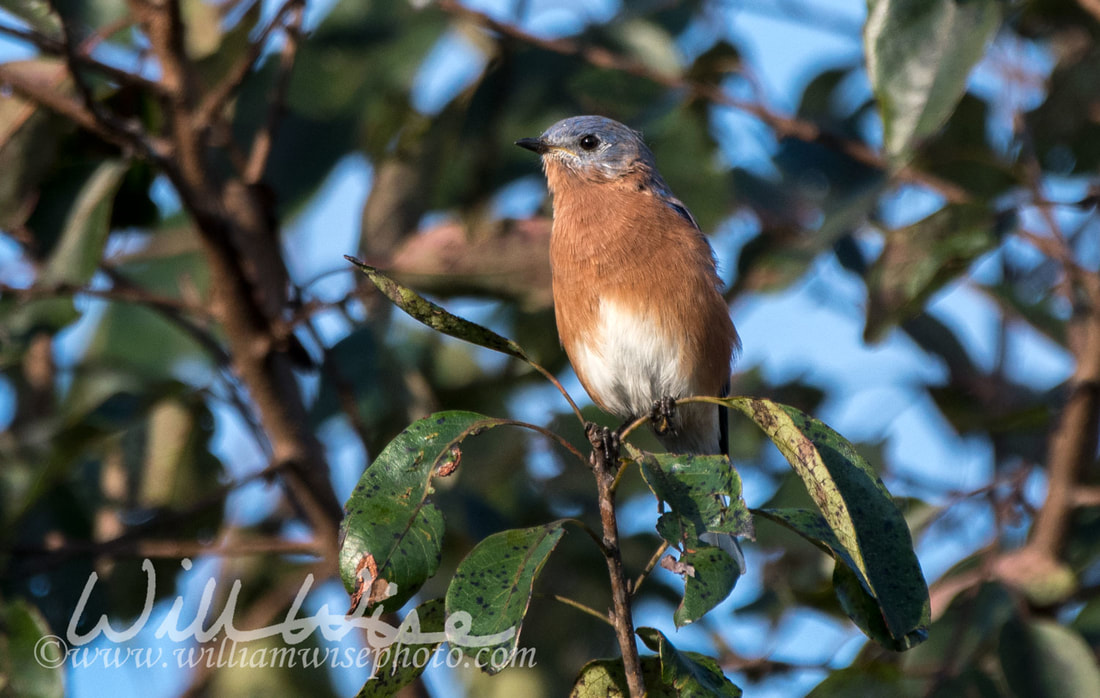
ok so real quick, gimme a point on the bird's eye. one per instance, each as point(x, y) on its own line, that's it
point(589, 142)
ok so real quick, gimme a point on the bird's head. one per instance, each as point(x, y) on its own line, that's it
point(591, 147)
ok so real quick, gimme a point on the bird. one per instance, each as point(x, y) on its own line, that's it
point(637, 297)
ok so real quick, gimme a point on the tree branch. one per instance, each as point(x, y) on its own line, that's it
point(260, 350)
point(126, 135)
point(783, 126)
point(53, 47)
point(1073, 444)
point(605, 462)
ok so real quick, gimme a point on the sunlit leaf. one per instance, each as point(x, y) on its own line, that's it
point(29, 140)
point(649, 43)
point(919, 56)
point(860, 514)
point(84, 232)
point(435, 317)
point(204, 28)
point(37, 13)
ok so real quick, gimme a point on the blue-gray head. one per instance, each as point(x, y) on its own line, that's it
point(592, 146)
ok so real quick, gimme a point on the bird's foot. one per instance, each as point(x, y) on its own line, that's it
point(662, 414)
point(605, 444)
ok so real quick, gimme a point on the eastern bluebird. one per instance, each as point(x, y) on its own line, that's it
point(637, 297)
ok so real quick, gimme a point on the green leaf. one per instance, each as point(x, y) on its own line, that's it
point(690, 673)
point(966, 631)
point(867, 532)
point(216, 53)
point(961, 153)
point(919, 55)
point(874, 680)
point(84, 233)
point(648, 43)
point(1064, 129)
point(683, 144)
point(20, 320)
point(716, 63)
point(29, 140)
point(606, 678)
point(860, 606)
point(1042, 658)
point(811, 526)
point(395, 666)
point(87, 16)
point(27, 655)
point(435, 317)
point(1087, 622)
point(493, 586)
point(364, 366)
point(392, 532)
point(709, 576)
point(972, 682)
point(703, 493)
point(921, 258)
point(37, 13)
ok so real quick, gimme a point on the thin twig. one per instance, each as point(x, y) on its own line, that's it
point(173, 549)
point(589, 532)
point(580, 607)
point(125, 294)
point(216, 99)
point(649, 567)
point(561, 389)
point(265, 137)
point(51, 558)
point(68, 50)
point(345, 391)
point(128, 136)
point(553, 436)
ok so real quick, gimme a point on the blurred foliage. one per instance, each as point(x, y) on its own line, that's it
point(127, 430)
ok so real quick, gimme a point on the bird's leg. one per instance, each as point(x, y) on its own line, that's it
point(605, 444)
point(662, 414)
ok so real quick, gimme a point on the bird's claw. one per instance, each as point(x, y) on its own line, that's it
point(605, 443)
point(662, 414)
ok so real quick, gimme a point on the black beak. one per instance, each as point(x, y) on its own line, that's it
point(536, 144)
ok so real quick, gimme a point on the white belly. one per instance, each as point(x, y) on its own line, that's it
point(630, 362)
